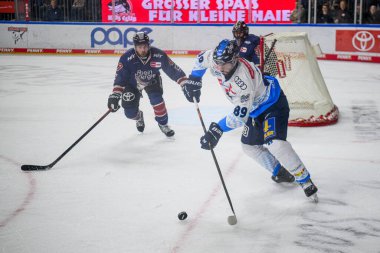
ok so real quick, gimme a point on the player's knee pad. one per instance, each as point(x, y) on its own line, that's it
point(130, 98)
point(284, 153)
point(279, 148)
point(130, 102)
point(253, 151)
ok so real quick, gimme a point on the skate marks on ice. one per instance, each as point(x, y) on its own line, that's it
point(366, 120)
point(340, 235)
point(373, 184)
point(339, 226)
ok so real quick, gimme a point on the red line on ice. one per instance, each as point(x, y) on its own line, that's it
point(27, 199)
point(179, 244)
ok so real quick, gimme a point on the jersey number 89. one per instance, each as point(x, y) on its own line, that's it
point(240, 111)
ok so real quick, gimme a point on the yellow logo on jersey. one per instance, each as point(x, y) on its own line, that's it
point(269, 128)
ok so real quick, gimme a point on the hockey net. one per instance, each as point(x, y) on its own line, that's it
point(293, 62)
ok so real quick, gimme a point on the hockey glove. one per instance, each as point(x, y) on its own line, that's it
point(212, 136)
point(192, 88)
point(113, 102)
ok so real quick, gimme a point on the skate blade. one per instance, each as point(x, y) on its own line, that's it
point(314, 198)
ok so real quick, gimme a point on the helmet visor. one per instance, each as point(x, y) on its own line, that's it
point(224, 67)
point(220, 62)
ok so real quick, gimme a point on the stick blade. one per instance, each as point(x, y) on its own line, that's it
point(34, 167)
point(232, 220)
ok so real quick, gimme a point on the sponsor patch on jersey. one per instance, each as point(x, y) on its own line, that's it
point(243, 49)
point(119, 66)
point(131, 57)
point(269, 128)
point(157, 55)
point(244, 98)
point(239, 82)
point(155, 64)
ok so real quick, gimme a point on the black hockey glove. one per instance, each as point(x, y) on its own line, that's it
point(192, 88)
point(113, 102)
point(212, 136)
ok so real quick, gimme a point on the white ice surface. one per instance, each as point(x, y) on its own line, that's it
point(120, 191)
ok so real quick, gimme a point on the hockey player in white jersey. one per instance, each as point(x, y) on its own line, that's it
point(260, 105)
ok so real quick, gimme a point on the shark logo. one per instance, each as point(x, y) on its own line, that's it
point(229, 91)
point(17, 33)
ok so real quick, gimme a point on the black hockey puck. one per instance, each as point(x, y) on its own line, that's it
point(182, 215)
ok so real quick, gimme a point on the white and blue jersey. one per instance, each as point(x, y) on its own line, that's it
point(245, 89)
point(262, 108)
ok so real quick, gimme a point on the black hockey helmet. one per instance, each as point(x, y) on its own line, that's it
point(140, 38)
point(225, 52)
point(240, 27)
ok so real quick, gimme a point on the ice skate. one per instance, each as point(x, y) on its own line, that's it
point(283, 176)
point(310, 190)
point(140, 125)
point(166, 130)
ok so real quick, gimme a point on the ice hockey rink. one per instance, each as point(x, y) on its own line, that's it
point(120, 191)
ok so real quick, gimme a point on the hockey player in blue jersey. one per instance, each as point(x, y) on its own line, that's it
point(248, 44)
point(260, 106)
point(249, 48)
point(139, 69)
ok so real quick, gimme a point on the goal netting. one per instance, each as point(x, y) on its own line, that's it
point(292, 60)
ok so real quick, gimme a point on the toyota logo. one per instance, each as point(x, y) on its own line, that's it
point(128, 96)
point(363, 41)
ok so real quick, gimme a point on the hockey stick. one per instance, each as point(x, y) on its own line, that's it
point(270, 51)
point(267, 54)
point(231, 219)
point(46, 167)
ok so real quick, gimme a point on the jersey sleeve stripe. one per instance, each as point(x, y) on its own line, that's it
point(118, 89)
point(249, 67)
point(198, 72)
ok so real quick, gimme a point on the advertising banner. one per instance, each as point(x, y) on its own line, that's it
point(363, 41)
point(7, 7)
point(197, 11)
point(335, 43)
